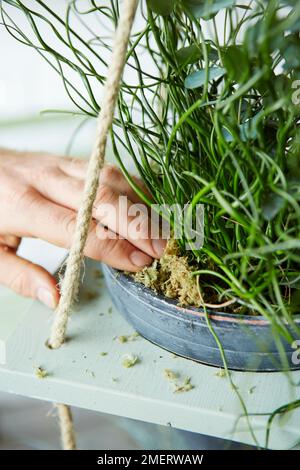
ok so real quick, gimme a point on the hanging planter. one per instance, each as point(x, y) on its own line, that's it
point(248, 341)
point(226, 136)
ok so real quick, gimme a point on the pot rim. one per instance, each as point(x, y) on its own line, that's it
point(123, 278)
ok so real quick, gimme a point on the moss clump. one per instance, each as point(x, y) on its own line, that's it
point(41, 373)
point(172, 276)
point(130, 360)
point(185, 387)
point(170, 375)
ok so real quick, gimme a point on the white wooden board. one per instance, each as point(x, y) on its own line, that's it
point(79, 375)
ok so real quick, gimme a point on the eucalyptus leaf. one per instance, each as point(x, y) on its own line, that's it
point(290, 50)
point(236, 62)
point(197, 79)
point(161, 7)
point(207, 9)
point(188, 55)
point(247, 131)
point(272, 205)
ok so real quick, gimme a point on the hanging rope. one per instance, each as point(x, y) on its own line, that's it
point(66, 427)
point(71, 281)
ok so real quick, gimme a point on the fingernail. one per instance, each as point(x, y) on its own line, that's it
point(159, 246)
point(45, 296)
point(140, 259)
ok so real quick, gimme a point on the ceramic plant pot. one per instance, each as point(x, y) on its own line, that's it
point(247, 341)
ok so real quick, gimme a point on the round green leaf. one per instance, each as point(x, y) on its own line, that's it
point(161, 7)
point(197, 79)
point(236, 62)
point(207, 9)
point(188, 55)
point(272, 204)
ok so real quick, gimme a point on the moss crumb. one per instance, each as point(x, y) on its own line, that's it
point(127, 338)
point(186, 386)
point(172, 276)
point(122, 339)
point(130, 360)
point(173, 377)
point(41, 373)
point(134, 335)
point(103, 353)
point(170, 375)
point(221, 373)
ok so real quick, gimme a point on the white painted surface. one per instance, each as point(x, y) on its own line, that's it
point(13, 307)
point(80, 376)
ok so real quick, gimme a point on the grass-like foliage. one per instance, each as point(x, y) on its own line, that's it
point(209, 115)
point(209, 112)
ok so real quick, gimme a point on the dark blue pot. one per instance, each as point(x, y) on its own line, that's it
point(247, 341)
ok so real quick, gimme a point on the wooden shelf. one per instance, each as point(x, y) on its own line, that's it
point(79, 375)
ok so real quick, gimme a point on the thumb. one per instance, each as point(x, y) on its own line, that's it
point(26, 278)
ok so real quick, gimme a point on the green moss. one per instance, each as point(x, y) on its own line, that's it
point(130, 360)
point(186, 386)
point(170, 375)
point(172, 276)
point(41, 373)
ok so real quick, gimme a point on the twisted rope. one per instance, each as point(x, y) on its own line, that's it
point(66, 427)
point(71, 281)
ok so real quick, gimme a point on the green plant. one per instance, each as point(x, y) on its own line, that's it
point(212, 120)
point(225, 135)
point(215, 116)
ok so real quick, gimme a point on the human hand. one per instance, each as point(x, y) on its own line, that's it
point(39, 197)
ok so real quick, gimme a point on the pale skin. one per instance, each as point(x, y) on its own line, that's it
point(39, 197)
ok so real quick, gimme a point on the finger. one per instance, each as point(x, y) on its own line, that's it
point(10, 240)
point(74, 167)
point(120, 253)
point(110, 175)
point(109, 209)
point(130, 221)
point(56, 224)
point(26, 278)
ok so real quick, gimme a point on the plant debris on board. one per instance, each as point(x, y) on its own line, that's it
point(127, 338)
point(179, 387)
point(41, 373)
point(130, 360)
